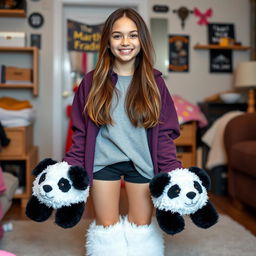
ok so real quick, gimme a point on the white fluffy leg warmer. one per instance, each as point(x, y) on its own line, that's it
point(143, 240)
point(106, 241)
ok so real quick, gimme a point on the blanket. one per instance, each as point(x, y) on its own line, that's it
point(214, 138)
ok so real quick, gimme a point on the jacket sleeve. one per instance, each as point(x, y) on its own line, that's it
point(76, 154)
point(168, 131)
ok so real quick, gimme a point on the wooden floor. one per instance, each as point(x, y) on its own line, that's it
point(245, 216)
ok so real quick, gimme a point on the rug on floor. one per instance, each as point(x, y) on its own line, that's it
point(227, 238)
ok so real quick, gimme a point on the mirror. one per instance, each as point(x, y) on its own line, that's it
point(159, 34)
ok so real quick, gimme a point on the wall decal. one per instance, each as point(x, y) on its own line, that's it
point(183, 13)
point(203, 16)
point(178, 53)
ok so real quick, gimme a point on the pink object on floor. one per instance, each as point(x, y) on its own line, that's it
point(5, 253)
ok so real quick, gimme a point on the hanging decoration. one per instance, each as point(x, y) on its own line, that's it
point(203, 16)
point(183, 13)
point(83, 37)
point(83, 43)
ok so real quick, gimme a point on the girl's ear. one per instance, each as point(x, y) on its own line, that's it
point(43, 165)
point(158, 183)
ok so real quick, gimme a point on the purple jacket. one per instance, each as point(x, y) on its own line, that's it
point(160, 137)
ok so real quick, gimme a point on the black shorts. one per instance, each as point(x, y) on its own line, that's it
point(115, 171)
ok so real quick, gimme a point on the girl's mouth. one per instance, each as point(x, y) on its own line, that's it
point(125, 51)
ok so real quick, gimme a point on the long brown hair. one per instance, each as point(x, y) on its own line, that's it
point(143, 97)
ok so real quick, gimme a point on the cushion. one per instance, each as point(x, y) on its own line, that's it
point(243, 157)
point(187, 112)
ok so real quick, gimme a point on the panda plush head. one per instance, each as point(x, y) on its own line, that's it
point(60, 187)
point(55, 188)
point(182, 192)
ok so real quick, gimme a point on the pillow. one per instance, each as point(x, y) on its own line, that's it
point(188, 112)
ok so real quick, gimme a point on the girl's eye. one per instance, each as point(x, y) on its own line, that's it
point(133, 35)
point(116, 36)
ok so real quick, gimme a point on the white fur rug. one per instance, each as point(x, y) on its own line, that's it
point(227, 238)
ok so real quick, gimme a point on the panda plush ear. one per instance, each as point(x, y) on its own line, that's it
point(43, 165)
point(203, 176)
point(158, 184)
point(79, 177)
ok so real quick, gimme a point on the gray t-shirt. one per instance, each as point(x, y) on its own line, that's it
point(122, 141)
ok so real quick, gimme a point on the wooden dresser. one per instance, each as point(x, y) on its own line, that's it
point(22, 153)
point(186, 144)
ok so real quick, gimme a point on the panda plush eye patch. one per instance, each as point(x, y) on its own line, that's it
point(42, 178)
point(64, 185)
point(198, 187)
point(174, 191)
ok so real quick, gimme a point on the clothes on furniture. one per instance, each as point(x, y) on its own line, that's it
point(214, 138)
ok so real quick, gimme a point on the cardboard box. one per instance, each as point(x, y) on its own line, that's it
point(12, 39)
point(18, 74)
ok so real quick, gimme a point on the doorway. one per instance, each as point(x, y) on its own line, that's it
point(90, 13)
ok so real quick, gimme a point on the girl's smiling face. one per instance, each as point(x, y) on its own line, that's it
point(124, 41)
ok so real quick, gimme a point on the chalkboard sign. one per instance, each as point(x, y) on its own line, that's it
point(218, 30)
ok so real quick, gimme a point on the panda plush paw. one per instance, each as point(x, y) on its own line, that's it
point(60, 187)
point(37, 211)
point(182, 192)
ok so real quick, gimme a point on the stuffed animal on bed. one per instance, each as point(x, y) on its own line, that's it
point(182, 192)
point(61, 187)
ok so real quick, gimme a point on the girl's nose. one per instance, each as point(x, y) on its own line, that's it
point(125, 41)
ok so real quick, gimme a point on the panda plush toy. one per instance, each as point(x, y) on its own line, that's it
point(61, 187)
point(182, 192)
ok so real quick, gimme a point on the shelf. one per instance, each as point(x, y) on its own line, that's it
point(18, 13)
point(219, 47)
point(31, 159)
point(34, 52)
point(18, 49)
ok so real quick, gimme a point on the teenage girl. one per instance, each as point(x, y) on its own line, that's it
point(124, 123)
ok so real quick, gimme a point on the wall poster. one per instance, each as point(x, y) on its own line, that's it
point(221, 61)
point(220, 30)
point(178, 53)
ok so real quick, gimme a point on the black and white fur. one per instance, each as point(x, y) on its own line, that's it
point(59, 186)
point(182, 192)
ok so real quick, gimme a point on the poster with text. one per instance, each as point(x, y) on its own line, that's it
point(219, 30)
point(178, 53)
point(83, 37)
point(221, 61)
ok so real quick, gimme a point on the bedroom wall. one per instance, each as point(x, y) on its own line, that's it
point(198, 83)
